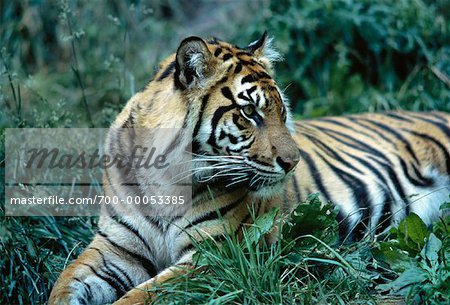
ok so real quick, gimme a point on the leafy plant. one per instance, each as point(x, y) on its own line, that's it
point(421, 258)
point(298, 269)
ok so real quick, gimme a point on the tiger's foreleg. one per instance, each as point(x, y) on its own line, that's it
point(142, 293)
point(101, 274)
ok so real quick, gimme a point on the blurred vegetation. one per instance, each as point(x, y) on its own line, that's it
point(76, 63)
point(353, 56)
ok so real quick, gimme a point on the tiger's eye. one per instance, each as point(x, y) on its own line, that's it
point(249, 110)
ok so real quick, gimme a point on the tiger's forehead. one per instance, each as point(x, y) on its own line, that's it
point(243, 58)
point(246, 71)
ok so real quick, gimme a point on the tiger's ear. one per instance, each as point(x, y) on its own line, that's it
point(263, 50)
point(257, 46)
point(192, 62)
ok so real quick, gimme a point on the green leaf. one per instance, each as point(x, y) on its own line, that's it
point(445, 206)
point(396, 258)
point(262, 225)
point(401, 285)
point(431, 250)
point(413, 228)
point(313, 218)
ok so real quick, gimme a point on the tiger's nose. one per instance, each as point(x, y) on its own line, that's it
point(287, 164)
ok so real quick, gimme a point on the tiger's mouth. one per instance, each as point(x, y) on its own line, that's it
point(259, 181)
point(236, 171)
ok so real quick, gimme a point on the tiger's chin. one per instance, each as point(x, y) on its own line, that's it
point(269, 190)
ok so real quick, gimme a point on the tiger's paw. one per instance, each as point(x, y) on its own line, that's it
point(136, 297)
point(66, 297)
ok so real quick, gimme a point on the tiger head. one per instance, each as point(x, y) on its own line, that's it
point(230, 110)
point(241, 135)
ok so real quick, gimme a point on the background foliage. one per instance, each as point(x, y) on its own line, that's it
point(76, 63)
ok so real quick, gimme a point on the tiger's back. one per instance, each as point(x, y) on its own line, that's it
point(377, 167)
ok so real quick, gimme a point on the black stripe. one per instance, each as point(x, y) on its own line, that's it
point(398, 116)
point(218, 115)
point(233, 140)
point(107, 265)
point(379, 175)
point(243, 97)
point(177, 139)
point(217, 52)
point(296, 189)
point(226, 92)
point(254, 159)
point(394, 179)
point(343, 226)
point(361, 145)
point(168, 71)
point(113, 275)
point(244, 53)
point(242, 148)
point(397, 135)
point(156, 223)
point(213, 215)
point(184, 250)
point(360, 195)
point(386, 214)
point(109, 280)
point(129, 122)
point(227, 56)
point(250, 91)
point(200, 115)
point(238, 68)
point(146, 263)
point(315, 174)
point(236, 119)
point(437, 143)
point(176, 79)
point(247, 79)
point(263, 75)
point(132, 230)
point(223, 80)
point(330, 152)
point(128, 180)
point(250, 63)
point(369, 127)
point(434, 115)
point(437, 115)
point(87, 288)
point(445, 129)
point(372, 168)
point(151, 78)
point(425, 180)
point(338, 123)
point(411, 179)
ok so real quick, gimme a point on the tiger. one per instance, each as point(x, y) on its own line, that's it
point(246, 148)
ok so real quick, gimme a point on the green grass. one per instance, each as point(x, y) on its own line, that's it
point(34, 252)
point(62, 63)
point(308, 266)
